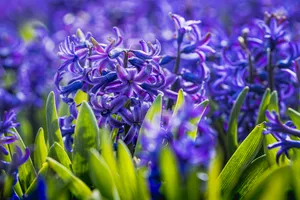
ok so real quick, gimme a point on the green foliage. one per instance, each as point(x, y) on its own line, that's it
point(241, 158)
point(152, 118)
point(170, 175)
point(76, 186)
point(263, 107)
point(40, 149)
point(86, 136)
point(250, 176)
point(126, 171)
point(232, 134)
point(53, 130)
point(295, 117)
point(115, 174)
point(102, 177)
point(27, 171)
point(57, 153)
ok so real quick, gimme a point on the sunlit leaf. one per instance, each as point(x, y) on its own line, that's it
point(76, 186)
point(40, 149)
point(80, 97)
point(126, 171)
point(214, 185)
point(53, 130)
point(295, 117)
point(86, 136)
point(263, 107)
point(143, 189)
point(195, 121)
point(241, 158)
point(232, 134)
point(179, 103)
point(250, 176)
point(272, 184)
point(101, 176)
point(57, 153)
point(170, 175)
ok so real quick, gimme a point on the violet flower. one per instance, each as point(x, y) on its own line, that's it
point(7, 136)
point(189, 152)
point(283, 132)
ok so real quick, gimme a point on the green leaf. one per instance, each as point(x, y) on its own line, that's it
point(179, 103)
point(27, 172)
point(126, 171)
point(76, 186)
point(232, 134)
point(195, 121)
point(43, 172)
point(273, 105)
point(295, 177)
point(143, 189)
point(107, 153)
point(101, 176)
point(295, 117)
point(53, 130)
point(241, 158)
point(263, 107)
point(40, 149)
point(170, 175)
point(57, 153)
point(80, 97)
point(214, 185)
point(272, 184)
point(193, 185)
point(86, 136)
point(63, 109)
point(250, 176)
point(26, 131)
point(152, 118)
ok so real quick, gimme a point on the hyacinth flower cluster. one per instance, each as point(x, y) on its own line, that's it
point(7, 137)
point(191, 151)
point(25, 68)
point(259, 59)
point(192, 47)
point(121, 83)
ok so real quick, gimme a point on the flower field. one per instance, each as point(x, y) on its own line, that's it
point(149, 99)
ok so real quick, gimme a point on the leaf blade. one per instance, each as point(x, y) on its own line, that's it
point(86, 136)
point(53, 129)
point(232, 134)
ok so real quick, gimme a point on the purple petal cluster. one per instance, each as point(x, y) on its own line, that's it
point(175, 132)
point(121, 83)
point(258, 58)
point(285, 134)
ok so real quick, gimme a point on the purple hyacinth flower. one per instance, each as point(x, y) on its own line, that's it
point(282, 132)
point(71, 55)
